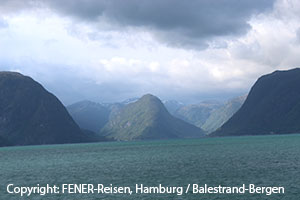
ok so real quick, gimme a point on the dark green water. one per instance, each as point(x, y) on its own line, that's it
point(232, 161)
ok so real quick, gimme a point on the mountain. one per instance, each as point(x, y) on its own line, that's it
point(196, 114)
point(93, 116)
point(31, 115)
point(95, 137)
point(115, 109)
point(220, 115)
point(89, 115)
point(4, 142)
point(148, 118)
point(172, 106)
point(130, 100)
point(272, 107)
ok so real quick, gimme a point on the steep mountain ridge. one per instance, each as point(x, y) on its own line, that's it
point(31, 115)
point(272, 107)
point(148, 118)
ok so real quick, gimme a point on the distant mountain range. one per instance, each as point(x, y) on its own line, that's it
point(208, 115)
point(173, 105)
point(197, 114)
point(89, 115)
point(222, 113)
point(31, 115)
point(272, 107)
point(148, 119)
point(94, 116)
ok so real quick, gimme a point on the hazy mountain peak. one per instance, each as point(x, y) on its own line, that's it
point(149, 97)
point(130, 100)
point(85, 103)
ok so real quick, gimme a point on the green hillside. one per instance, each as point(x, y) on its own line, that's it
point(145, 119)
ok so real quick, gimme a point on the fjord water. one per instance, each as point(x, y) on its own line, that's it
point(230, 161)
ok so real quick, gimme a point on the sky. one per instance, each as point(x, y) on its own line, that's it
point(111, 50)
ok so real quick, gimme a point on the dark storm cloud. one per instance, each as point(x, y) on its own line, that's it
point(188, 24)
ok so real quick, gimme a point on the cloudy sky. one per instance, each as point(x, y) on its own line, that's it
point(110, 50)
